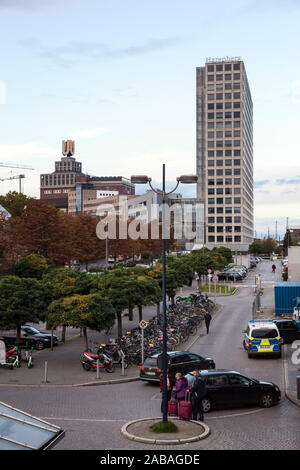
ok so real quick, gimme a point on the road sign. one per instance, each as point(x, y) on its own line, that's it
point(143, 324)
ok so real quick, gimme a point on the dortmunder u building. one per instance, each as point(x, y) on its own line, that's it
point(225, 152)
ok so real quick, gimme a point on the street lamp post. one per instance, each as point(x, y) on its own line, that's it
point(143, 179)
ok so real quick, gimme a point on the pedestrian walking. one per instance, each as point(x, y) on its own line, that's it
point(198, 392)
point(169, 387)
point(273, 268)
point(207, 319)
point(181, 386)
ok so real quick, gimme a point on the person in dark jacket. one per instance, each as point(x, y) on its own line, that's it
point(207, 319)
point(181, 386)
point(169, 387)
point(198, 392)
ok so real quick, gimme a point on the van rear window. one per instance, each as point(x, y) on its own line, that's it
point(151, 362)
point(264, 333)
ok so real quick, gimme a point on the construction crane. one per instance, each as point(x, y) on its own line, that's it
point(15, 165)
point(20, 177)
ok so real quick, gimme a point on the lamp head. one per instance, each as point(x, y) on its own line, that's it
point(140, 179)
point(188, 179)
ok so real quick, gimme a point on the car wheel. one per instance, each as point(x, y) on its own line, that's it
point(266, 400)
point(244, 344)
point(207, 405)
point(39, 345)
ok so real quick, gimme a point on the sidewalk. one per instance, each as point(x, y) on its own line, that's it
point(63, 363)
point(64, 368)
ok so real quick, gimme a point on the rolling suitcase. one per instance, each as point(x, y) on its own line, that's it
point(172, 407)
point(185, 407)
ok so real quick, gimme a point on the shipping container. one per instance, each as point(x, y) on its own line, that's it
point(285, 295)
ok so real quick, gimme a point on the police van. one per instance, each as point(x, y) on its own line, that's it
point(262, 337)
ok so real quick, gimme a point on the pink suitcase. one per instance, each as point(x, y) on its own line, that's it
point(172, 407)
point(185, 408)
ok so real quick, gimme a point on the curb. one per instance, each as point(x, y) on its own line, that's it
point(145, 440)
point(86, 384)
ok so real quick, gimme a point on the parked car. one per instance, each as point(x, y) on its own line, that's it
point(180, 361)
point(227, 388)
point(230, 275)
point(30, 336)
point(235, 267)
point(288, 329)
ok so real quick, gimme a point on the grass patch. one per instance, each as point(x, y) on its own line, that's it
point(220, 289)
point(162, 427)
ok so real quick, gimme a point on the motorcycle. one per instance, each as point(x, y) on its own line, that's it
point(90, 361)
point(11, 358)
point(116, 353)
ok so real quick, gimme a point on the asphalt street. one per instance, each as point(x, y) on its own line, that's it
point(92, 416)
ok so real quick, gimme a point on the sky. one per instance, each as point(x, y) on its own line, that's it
point(119, 78)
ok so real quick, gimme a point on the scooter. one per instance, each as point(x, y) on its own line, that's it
point(116, 353)
point(11, 358)
point(28, 357)
point(90, 360)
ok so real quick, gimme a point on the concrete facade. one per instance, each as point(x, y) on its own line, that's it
point(225, 152)
point(294, 263)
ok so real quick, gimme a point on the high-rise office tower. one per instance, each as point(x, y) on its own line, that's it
point(225, 152)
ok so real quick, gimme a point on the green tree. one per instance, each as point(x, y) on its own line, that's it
point(82, 311)
point(22, 300)
point(111, 286)
point(171, 280)
point(225, 252)
point(65, 283)
point(256, 248)
point(14, 202)
point(269, 245)
point(33, 265)
point(150, 293)
point(203, 261)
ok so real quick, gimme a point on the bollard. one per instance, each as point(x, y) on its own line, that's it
point(98, 375)
point(298, 387)
point(46, 372)
point(123, 368)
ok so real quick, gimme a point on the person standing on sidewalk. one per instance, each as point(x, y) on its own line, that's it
point(181, 386)
point(207, 319)
point(198, 391)
point(169, 387)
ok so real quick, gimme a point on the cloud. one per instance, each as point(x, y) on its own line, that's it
point(258, 6)
point(33, 5)
point(69, 54)
point(282, 181)
point(88, 133)
point(259, 184)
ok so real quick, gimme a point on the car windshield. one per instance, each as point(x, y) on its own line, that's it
point(264, 333)
point(151, 362)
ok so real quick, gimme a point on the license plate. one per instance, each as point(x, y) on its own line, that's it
point(150, 373)
point(265, 347)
